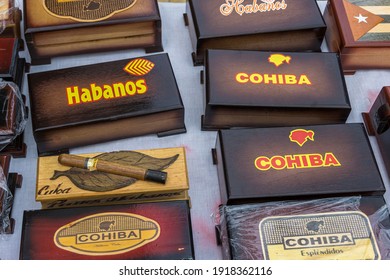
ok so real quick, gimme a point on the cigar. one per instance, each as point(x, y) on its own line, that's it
point(113, 168)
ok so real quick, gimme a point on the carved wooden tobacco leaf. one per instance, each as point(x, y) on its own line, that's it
point(102, 182)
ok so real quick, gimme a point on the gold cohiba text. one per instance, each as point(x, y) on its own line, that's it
point(237, 6)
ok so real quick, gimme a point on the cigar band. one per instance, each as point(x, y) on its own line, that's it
point(91, 164)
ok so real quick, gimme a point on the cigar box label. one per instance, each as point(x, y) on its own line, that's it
point(304, 160)
point(86, 10)
point(107, 234)
point(337, 235)
point(243, 7)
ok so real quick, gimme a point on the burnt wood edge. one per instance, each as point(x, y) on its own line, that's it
point(368, 124)
point(197, 61)
point(154, 49)
point(211, 127)
point(201, 77)
point(53, 153)
point(185, 17)
point(214, 156)
point(172, 132)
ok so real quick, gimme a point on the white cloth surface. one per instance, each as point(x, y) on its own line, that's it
point(363, 87)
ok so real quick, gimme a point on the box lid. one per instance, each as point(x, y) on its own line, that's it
point(218, 18)
point(136, 231)
point(292, 162)
point(363, 23)
point(268, 79)
point(102, 92)
point(50, 15)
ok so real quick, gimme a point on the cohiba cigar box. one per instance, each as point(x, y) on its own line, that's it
point(147, 231)
point(10, 17)
point(264, 164)
point(12, 67)
point(273, 25)
point(62, 27)
point(13, 181)
point(350, 228)
point(377, 122)
point(60, 186)
point(263, 89)
point(102, 102)
point(360, 31)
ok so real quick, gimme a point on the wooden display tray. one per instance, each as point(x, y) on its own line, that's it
point(149, 231)
point(60, 28)
point(264, 89)
point(103, 102)
point(288, 26)
point(60, 186)
point(377, 122)
point(363, 42)
point(265, 164)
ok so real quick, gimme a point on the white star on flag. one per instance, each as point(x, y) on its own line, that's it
point(361, 18)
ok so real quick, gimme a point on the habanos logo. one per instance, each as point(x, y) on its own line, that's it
point(107, 234)
point(94, 92)
point(238, 6)
point(314, 160)
point(277, 79)
point(332, 235)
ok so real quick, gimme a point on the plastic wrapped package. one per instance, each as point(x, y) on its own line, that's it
point(6, 200)
point(10, 17)
point(331, 228)
point(13, 115)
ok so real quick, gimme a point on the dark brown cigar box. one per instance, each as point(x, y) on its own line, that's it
point(264, 164)
point(58, 28)
point(150, 231)
point(264, 89)
point(103, 102)
point(12, 66)
point(281, 25)
point(348, 228)
point(377, 122)
point(360, 31)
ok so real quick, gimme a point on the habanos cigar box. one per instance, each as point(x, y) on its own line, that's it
point(273, 25)
point(102, 102)
point(360, 31)
point(12, 67)
point(264, 164)
point(348, 228)
point(150, 231)
point(8, 183)
point(60, 186)
point(262, 89)
point(377, 122)
point(66, 27)
point(10, 17)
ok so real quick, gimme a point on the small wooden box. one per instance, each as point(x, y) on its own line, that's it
point(12, 66)
point(102, 102)
point(377, 122)
point(263, 89)
point(264, 164)
point(282, 25)
point(59, 28)
point(360, 31)
point(10, 17)
point(150, 231)
point(60, 186)
point(348, 228)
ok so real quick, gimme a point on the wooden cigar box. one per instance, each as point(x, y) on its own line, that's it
point(13, 181)
point(11, 127)
point(295, 162)
point(102, 102)
point(10, 18)
point(60, 186)
point(263, 89)
point(281, 25)
point(150, 231)
point(58, 28)
point(360, 31)
point(12, 66)
point(377, 122)
point(350, 228)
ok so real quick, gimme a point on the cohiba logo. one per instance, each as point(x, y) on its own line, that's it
point(137, 67)
point(86, 10)
point(332, 235)
point(314, 160)
point(107, 234)
point(276, 79)
point(237, 6)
